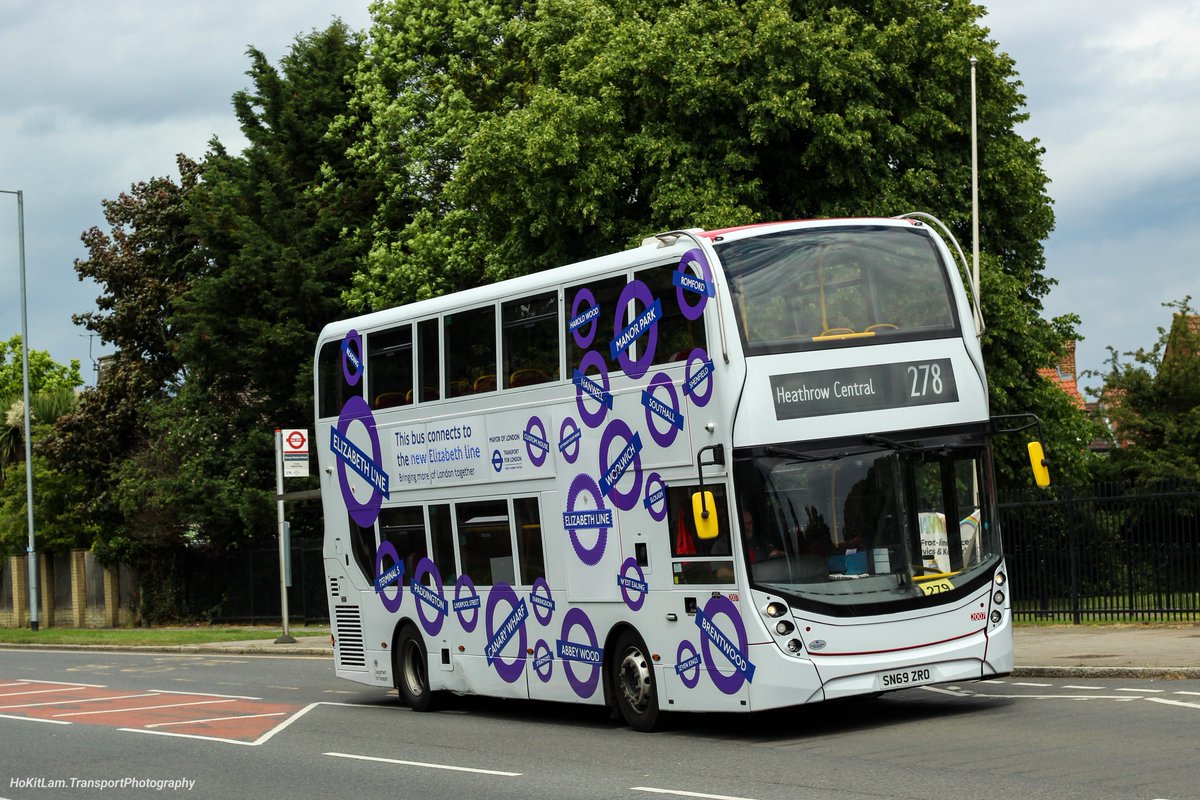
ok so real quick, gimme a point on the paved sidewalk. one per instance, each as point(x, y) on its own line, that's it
point(1165, 650)
point(1102, 650)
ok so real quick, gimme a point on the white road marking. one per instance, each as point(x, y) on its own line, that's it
point(77, 702)
point(1196, 694)
point(1041, 685)
point(1145, 691)
point(215, 719)
point(43, 691)
point(683, 793)
point(35, 719)
point(1092, 688)
point(66, 683)
point(1167, 702)
point(432, 766)
point(140, 708)
point(205, 694)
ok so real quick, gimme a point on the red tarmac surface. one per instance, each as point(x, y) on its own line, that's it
point(208, 716)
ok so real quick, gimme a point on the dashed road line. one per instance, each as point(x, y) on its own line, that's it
point(685, 793)
point(429, 766)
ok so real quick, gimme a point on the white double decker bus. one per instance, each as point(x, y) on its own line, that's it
point(724, 471)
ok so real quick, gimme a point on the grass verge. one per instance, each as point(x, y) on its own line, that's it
point(148, 637)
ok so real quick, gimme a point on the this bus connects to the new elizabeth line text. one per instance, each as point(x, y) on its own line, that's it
point(726, 470)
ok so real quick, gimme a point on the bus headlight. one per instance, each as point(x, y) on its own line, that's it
point(794, 645)
point(1000, 579)
point(783, 627)
point(998, 597)
point(775, 609)
point(997, 616)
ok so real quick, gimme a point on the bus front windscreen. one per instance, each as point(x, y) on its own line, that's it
point(851, 532)
point(816, 287)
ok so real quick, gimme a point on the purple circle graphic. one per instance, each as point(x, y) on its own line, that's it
point(502, 592)
point(583, 687)
point(592, 358)
point(687, 650)
point(540, 583)
point(464, 582)
point(357, 410)
point(653, 420)
point(695, 257)
point(432, 626)
point(392, 604)
point(569, 428)
point(352, 358)
point(582, 296)
point(540, 650)
point(636, 368)
point(698, 355)
point(582, 484)
point(537, 456)
point(622, 500)
point(729, 684)
point(655, 480)
point(634, 603)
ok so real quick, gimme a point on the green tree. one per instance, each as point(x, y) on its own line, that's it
point(1152, 400)
point(513, 136)
point(143, 264)
point(57, 491)
point(44, 373)
point(271, 220)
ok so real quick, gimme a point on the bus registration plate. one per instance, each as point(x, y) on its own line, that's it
point(905, 677)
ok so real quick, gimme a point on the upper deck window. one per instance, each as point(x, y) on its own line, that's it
point(817, 287)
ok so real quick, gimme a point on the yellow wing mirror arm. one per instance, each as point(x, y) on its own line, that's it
point(706, 522)
point(1037, 455)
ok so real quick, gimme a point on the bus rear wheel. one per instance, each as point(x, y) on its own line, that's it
point(412, 671)
point(634, 686)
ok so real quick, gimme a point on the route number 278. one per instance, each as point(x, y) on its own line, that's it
point(925, 379)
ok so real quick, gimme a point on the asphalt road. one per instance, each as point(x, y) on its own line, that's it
point(266, 727)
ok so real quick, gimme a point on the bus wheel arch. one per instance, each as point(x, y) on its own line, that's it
point(631, 685)
point(410, 667)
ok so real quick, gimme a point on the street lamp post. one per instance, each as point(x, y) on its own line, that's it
point(31, 552)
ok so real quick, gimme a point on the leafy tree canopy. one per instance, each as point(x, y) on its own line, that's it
point(45, 374)
point(1151, 398)
point(514, 136)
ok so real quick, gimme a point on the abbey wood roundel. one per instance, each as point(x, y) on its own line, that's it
point(651, 479)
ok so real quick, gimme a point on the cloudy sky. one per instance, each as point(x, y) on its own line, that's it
point(98, 95)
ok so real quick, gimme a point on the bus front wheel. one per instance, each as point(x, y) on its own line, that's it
point(412, 671)
point(634, 686)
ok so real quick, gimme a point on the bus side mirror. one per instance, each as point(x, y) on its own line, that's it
point(1037, 460)
point(704, 515)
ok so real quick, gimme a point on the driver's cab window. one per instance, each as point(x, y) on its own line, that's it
point(695, 559)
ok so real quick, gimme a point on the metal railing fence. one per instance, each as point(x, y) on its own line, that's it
point(1105, 552)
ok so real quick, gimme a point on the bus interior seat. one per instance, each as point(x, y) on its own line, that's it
point(526, 376)
point(484, 383)
point(390, 399)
